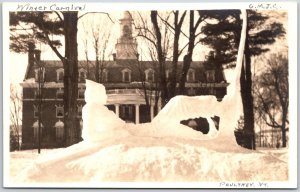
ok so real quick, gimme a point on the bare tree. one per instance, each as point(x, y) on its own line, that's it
point(98, 34)
point(271, 92)
point(15, 116)
point(85, 40)
point(158, 41)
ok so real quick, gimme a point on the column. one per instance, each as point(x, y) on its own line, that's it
point(151, 112)
point(117, 109)
point(137, 114)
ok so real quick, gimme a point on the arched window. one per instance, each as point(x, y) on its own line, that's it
point(190, 75)
point(126, 75)
point(126, 31)
point(60, 75)
point(36, 130)
point(81, 75)
point(149, 73)
point(59, 130)
point(60, 93)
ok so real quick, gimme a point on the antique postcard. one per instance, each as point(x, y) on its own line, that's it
point(150, 95)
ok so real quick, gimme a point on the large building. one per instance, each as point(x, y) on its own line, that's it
point(128, 83)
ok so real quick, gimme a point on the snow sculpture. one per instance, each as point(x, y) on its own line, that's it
point(97, 119)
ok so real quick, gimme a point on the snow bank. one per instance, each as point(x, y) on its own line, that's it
point(136, 159)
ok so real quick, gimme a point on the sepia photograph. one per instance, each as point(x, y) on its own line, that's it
point(150, 95)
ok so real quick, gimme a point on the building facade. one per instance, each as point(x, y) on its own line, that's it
point(131, 86)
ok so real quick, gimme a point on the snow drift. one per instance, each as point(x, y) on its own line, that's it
point(163, 150)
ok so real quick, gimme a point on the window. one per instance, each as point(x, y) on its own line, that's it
point(81, 124)
point(210, 76)
point(60, 75)
point(126, 31)
point(149, 75)
point(35, 111)
point(36, 130)
point(81, 93)
point(82, 75)
point(104, 75)
point(59, 130)
point(59, 111)
point(79, 110)
point(40, 74)
point(126, 111)
point(126, 75)
point(168, 73)
point(60, 93)
point(190, 75)
point(37, 94)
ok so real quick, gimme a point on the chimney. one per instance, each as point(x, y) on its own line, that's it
point(114, 56)
point(31, 53)
point(37, 54)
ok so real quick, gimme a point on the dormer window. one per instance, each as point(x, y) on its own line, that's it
point(190, 75)
point(60, 75)
point(210, 76)
point(149, 75)
point(82, 75)
point(104, 75)
point(59, 111)
point(39, 74)
point(126, 75)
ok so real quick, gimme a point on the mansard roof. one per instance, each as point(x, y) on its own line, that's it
point(119, 64)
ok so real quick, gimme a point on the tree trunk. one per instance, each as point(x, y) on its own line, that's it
point(188, 57)
point(161, 60)
point(172, 79)
point(72, 132)
point(283, 127)
point(247, 99)
point(97, 70)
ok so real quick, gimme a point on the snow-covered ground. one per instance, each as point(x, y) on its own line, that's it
point(147, 159)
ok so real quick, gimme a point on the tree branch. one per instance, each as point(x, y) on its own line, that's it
point(169, 25)
point(97, 12)
point(54, 48)
point(58, 15)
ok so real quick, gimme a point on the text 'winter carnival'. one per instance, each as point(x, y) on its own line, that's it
point(50, 7)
